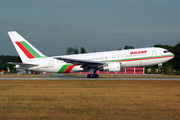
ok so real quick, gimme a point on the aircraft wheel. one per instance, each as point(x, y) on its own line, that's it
point(89, 76)
point(96, 75)
point(92, 76)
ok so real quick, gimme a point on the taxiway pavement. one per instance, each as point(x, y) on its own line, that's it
point(67, 77)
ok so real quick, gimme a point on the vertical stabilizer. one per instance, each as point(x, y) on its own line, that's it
point(25, 50)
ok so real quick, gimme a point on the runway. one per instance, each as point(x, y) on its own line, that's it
point(66, 77)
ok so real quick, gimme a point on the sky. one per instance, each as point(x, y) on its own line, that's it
point(97, 25)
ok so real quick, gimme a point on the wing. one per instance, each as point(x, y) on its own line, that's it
point(24, 65)
point(83, 63)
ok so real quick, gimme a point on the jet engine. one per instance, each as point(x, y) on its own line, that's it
point(17, 66)
point(112, 67)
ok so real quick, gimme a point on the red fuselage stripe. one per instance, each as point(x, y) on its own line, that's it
point(69, 68)
point(28, 54)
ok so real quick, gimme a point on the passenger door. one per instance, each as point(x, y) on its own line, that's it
point(51, 63)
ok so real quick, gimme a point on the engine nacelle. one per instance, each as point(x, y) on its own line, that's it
point(17, 66)
point(112, 67)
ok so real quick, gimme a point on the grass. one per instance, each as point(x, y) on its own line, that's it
point(100, 100)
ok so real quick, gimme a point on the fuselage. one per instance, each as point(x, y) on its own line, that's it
point(127, 58)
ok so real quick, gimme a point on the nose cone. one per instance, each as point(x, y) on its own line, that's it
point(171, 55)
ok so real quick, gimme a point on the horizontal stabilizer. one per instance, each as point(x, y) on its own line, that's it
point(24, 65)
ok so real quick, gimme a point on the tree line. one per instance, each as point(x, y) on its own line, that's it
point(74, 50)
point(5, 66)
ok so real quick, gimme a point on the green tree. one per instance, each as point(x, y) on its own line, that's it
point(4, 59)
point(128, 47)
point(83, 50)
point(71, 50)
point(76, 51)
point(176, 60)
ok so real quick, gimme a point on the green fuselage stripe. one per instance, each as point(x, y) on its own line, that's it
point(32, 51)
point(63, 68)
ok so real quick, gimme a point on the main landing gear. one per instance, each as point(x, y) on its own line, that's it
point(92, 76)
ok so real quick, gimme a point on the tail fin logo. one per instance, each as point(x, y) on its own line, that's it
point(28, 51)
point(25, 50)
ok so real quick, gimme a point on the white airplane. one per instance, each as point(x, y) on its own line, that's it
point(112, 61)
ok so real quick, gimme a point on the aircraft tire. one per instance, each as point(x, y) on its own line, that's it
point(96, 75)
point(89, 76)
point(92, 76)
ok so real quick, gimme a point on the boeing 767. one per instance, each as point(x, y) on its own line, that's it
point(113, 61)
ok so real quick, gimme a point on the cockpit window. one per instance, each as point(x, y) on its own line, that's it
point(166, 51)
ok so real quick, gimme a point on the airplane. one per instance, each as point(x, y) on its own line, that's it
point(113, 61)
